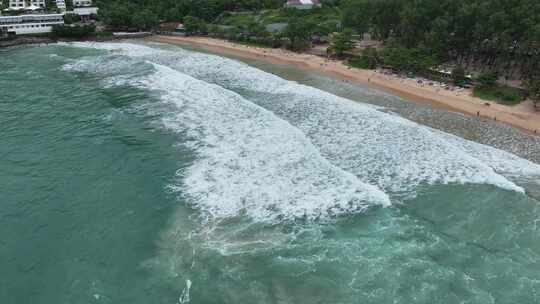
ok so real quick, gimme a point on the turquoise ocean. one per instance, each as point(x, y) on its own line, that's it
point(147, 173)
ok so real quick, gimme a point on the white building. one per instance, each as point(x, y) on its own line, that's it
point(30, 24)
point(85, 13)
point(82, 3)
point(21, 4)
point(303, 4)
point(61, 5)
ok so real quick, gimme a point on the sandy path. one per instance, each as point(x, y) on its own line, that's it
point(522, 116)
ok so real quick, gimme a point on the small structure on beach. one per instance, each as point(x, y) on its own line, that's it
point(180, 28)
point(86, 13)
point(303, 4)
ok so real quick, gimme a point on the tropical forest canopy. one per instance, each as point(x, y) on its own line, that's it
point(501, 35)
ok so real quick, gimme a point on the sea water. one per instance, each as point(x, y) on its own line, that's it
point(145, 173)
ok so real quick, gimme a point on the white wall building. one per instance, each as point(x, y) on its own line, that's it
point(61, 5)
point(82, 3)
point(303, 4)
point(85, 13)
point(30, 24)
point(20, 4)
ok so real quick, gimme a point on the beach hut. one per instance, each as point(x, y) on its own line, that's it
point(180, 28)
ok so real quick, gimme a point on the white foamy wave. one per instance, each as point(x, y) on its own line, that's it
point(250, 162)
point(379, 148)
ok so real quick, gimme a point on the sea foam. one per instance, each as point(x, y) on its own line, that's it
point(378, 148)
point(250, 162)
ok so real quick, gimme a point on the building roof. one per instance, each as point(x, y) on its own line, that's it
point(303, 2)
point(86, 11)
point(276, 27)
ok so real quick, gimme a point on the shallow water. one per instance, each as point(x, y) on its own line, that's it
point(152, 174)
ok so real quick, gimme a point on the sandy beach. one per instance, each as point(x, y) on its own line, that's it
point(522, 116)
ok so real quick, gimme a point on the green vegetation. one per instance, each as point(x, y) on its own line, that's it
point(237, 19)
point(69, 5)
point(71, 18)
point(408, 59)
point(194, 25)
point(174, 10)
point(488, 89)
point(458, 76)
point(342, 42)
point(299, 33)
point(500, 35)
point(487, 79)
point(73, 31)
point(368, 60)
point(104, 35)
point(500, 94)
point(496, 35)
point(50, 5)
point(145, 20)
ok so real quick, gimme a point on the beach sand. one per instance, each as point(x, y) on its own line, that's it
point(522, 116)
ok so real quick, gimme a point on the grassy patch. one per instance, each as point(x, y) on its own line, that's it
point(500, 94)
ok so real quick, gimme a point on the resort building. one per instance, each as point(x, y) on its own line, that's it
point(22, 4)
point(303, 4)
point(30, 24)
point(82, 3)
point(61, 5)
point(85, 13)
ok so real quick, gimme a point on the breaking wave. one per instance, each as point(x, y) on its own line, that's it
point(249, 161)
point(274, 149)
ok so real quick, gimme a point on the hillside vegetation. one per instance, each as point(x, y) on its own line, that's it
point(497, 36)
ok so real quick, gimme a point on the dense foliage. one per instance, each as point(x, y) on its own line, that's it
point(119, 12)
point(500, 36)
point(342, 42)
point(50, 5)
point(73, 31)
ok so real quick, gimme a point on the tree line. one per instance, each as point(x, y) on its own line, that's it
point(492, 36)
point(498, 35)
point(131, 12)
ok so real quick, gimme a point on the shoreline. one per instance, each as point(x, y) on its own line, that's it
point(32, 40)
point(521, 116)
